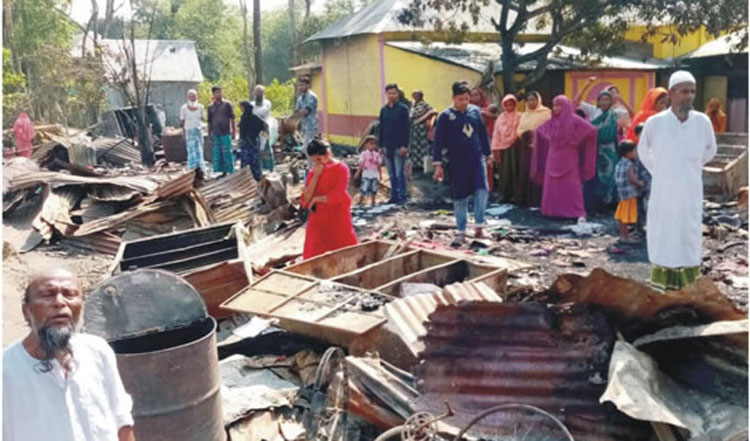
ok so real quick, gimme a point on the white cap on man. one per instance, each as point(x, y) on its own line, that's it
point(679, 77)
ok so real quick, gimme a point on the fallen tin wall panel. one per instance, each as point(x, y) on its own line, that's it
point(482, 354)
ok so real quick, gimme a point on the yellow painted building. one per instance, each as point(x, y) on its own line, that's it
point(665, 49)
point(370, 49)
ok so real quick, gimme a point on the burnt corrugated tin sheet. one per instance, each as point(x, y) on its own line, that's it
point(106, 223)
point(104, 242)
point(55, 180)
point(231, 198)
point(176, 186)
point(482, 354)
point(409, 314)
point(55, 213)
point(116, 151)
point(112, 193)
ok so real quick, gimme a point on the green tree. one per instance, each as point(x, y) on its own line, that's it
point(217, 32)
point(333, 11)
point(37, 25)
point(14, 91)
point(276, 35)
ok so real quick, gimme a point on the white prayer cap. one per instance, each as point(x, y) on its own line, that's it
point(679, 77)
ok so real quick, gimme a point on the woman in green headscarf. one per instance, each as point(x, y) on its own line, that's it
point(599, 192)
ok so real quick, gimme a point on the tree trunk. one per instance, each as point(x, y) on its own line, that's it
point(293, 29)
point(257, 43)
point(508, 59)
point(109, 12)
point(246, 47)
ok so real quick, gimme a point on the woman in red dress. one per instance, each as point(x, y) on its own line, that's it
point(329, 226)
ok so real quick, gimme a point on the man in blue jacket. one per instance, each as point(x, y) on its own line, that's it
point(460, 130)
point(393, 132)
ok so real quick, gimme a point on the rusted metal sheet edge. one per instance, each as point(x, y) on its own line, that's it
point(409, 314)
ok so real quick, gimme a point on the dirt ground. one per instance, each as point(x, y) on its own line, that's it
point(553, 250)
point(521, 234)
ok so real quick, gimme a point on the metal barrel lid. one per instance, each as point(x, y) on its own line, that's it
point(141, 302)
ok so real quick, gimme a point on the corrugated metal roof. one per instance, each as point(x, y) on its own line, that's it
point(409, 314)
point(482, 354)
point(163, 60)
point(721, 46)
point(382, 16)
point(477, 56)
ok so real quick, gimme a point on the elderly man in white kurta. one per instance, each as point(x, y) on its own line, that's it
point(674, 147)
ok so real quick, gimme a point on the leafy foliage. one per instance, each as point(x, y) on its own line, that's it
point(14, 92)
point(596, 26)
point(235, 90)
point(716, 16)
point(281, 96)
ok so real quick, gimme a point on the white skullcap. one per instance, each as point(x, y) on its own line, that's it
point(679, 77)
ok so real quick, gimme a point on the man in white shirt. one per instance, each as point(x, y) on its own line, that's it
point(191, 120)
point(674, 146)
point(261, 106)
point(58, 384)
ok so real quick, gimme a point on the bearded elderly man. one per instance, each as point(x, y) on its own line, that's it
point(674, 147)
point(59, 384)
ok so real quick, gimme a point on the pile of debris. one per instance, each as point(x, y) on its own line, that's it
point(94, 193)
point(386, 338)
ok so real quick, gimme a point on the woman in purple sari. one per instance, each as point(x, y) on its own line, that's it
point(564, 156)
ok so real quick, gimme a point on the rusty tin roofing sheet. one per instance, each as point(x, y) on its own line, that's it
point(103, 242)
point(230, 198)
point(482, 354)
point(409, 314)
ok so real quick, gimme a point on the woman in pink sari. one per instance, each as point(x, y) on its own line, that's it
point(564, 156)
point(23, 128)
